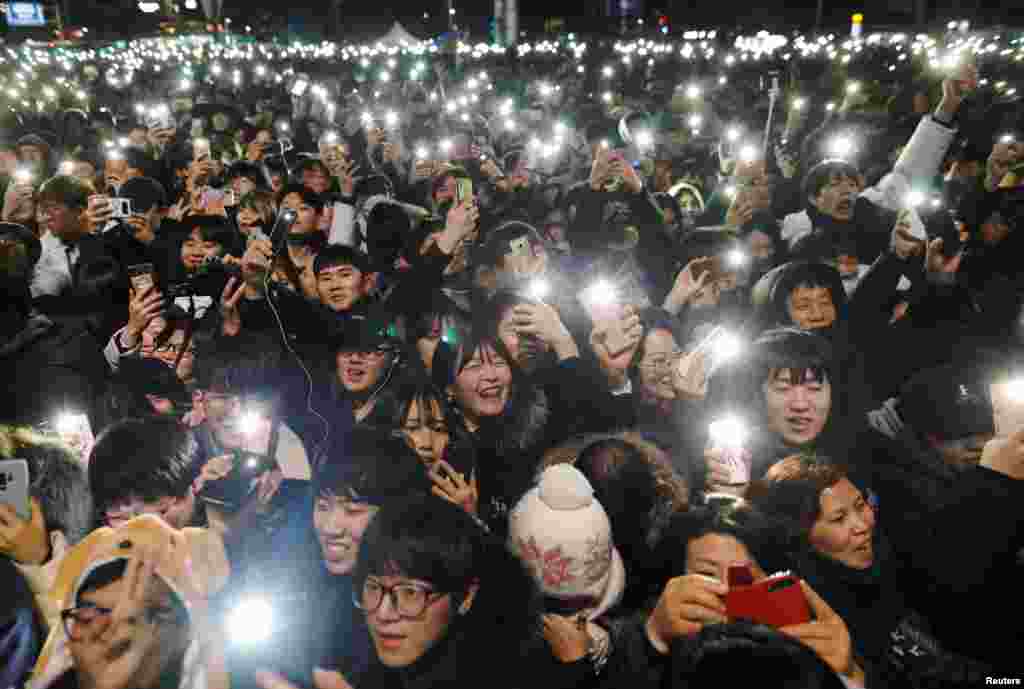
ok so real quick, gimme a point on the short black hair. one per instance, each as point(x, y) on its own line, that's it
point(370, 465)
point(798, 351)
point(768, 540)
point(821, 174)
point(147, 459)
point(427, 539)
point(66, 190)
point(249, 365)
point(338, 255)
point(212, 229)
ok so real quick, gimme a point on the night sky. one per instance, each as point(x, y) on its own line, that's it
point(362, 20)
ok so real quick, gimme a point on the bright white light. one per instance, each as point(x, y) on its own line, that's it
point(148, 6)
point(914, 199)
point(1015, 389)
point(601, 293)
point(606, 97)
point(728, 431)
point(539, 289)
point(545, 90)
point(250, 621)
point(391, 118)
point(510, 125)
point(607, 72)
point(450, 106)
point(736, 258)
point(693, 91)
point(799, 103)
point(853, 87)
point(644, 139)
point(445, 145)
point(249, 423)
point(68, 423)
point(830, 106)
point(748, 154)
point(730, 191)
point(1006, 139)
point(422, 152)
point(695, 121)
point(841, 146)
point(732, 134)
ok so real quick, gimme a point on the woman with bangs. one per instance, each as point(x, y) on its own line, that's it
point(432, 427)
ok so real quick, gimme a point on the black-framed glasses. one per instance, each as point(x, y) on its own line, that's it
point(76, 620)
point(408, 599)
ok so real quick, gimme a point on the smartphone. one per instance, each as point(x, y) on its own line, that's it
point(14, 486)
point(463, 189)
point(729, 435)
point(211, 196)
point(121, 207)
point(141, 277)
point(777, 601)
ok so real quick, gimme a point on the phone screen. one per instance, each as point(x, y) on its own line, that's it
point(14, 486)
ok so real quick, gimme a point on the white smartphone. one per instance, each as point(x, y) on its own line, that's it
point(14, 486)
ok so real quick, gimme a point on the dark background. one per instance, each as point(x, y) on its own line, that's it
point(360, 19)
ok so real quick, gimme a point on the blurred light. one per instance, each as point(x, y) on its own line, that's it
point(914, 199)
point(601, 293)
point(749, 153)
point(644, 139)
point(250, 621)
point(732, 134)
point(841, 146)
point(693, 91)
point(728, 431)
point(538, 289)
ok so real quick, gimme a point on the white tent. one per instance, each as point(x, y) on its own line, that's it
point(398, 36)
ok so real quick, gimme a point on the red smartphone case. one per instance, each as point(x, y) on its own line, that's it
point(777, 601)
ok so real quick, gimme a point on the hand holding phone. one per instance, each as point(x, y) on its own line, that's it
point(686, 604)
point(14, 487)
point(23, 535)
point(777, 601)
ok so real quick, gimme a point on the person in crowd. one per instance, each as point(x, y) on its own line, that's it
point(634, 481)
point(367, 473)
point(162, 478)
point(144, 586)
point(853, 553)
point(445, 603)
point(329, 294)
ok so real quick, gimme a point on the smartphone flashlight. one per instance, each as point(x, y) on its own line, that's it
point(728, 432)
point(913, 199)
point(23, 176)
point(736, 258)
point(538, 289)
point(841, 146)
point(250, 621)
point(601, 293)
point(748, 153)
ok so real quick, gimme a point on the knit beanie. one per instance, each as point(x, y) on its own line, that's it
point(563, 535)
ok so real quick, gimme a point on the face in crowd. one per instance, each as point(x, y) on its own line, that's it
point(798, 404)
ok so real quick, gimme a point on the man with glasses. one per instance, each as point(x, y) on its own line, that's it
point(358, 478)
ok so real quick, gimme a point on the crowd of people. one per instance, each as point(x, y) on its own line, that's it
point(397, 397)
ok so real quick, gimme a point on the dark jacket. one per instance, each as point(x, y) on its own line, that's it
point(22, 630)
